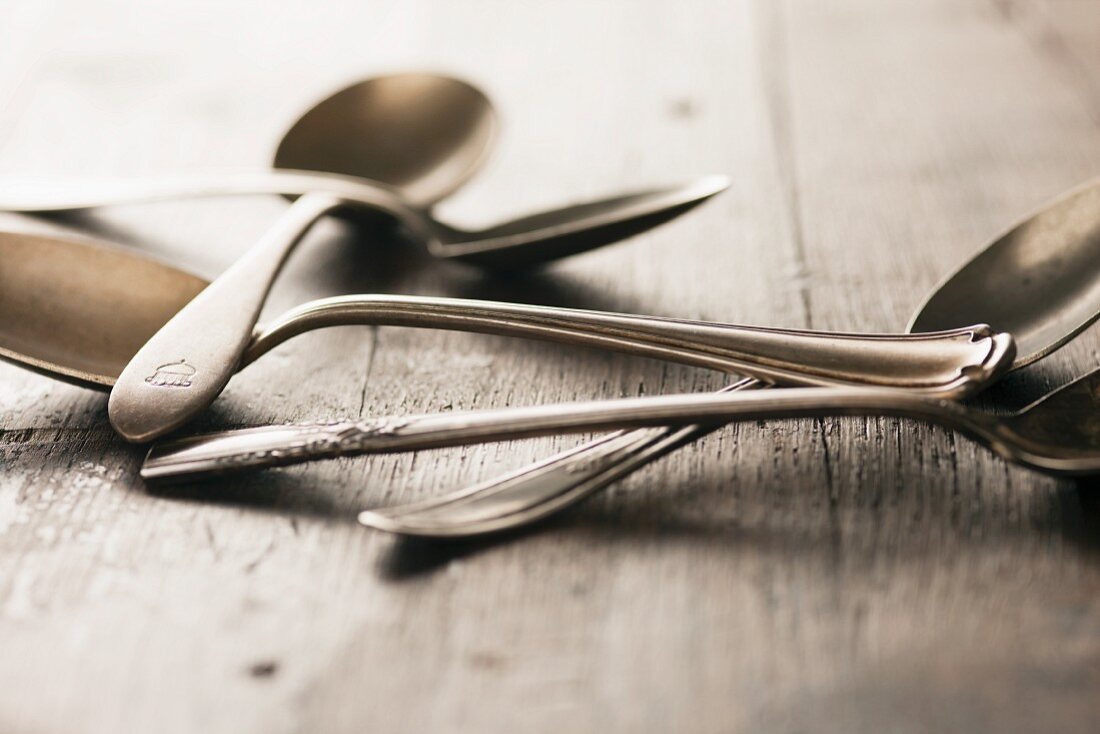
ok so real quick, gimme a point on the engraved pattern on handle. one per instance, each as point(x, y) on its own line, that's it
point(276, 446)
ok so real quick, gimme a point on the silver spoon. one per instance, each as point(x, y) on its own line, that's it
point(396, 144)
point(1059, 434)
point(1065, 231)
point(80, 310)
point(1049, 258)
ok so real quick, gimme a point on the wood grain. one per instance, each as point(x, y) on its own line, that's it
point(829, 576)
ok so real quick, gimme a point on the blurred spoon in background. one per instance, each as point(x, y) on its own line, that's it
point(395, 144)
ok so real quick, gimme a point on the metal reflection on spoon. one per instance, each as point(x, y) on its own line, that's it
point(1039, 280)
point(62, 321)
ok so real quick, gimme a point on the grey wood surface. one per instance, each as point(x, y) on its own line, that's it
point(818, 576)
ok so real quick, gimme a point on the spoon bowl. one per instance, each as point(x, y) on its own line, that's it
point(1038, 281)
point(79, 310)
point(424, 134)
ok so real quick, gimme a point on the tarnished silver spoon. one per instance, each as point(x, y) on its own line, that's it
point(397, 144)
point(79, 310)
point(1060, 434)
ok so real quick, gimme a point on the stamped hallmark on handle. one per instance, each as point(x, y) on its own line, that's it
point(172, 374)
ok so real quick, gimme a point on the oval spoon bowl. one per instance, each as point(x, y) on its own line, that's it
point(1038, 281)
point(425, 134)
point(78, 311)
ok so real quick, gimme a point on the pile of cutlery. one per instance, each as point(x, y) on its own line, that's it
point(166, 343)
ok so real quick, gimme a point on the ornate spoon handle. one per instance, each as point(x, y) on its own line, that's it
point(281, 445)
point(946, 363)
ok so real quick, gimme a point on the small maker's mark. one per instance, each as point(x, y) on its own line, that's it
point(173, 374)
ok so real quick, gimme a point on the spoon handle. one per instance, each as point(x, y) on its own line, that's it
point(185, 365)
point(539, 238)
point(269, 446)
point(949, 363)
point(31, 196)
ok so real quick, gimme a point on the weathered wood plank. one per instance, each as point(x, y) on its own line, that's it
point(847, 576)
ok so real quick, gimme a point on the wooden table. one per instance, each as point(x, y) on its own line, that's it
point(856, 575)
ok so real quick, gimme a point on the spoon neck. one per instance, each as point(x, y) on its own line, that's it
point(266, 257)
